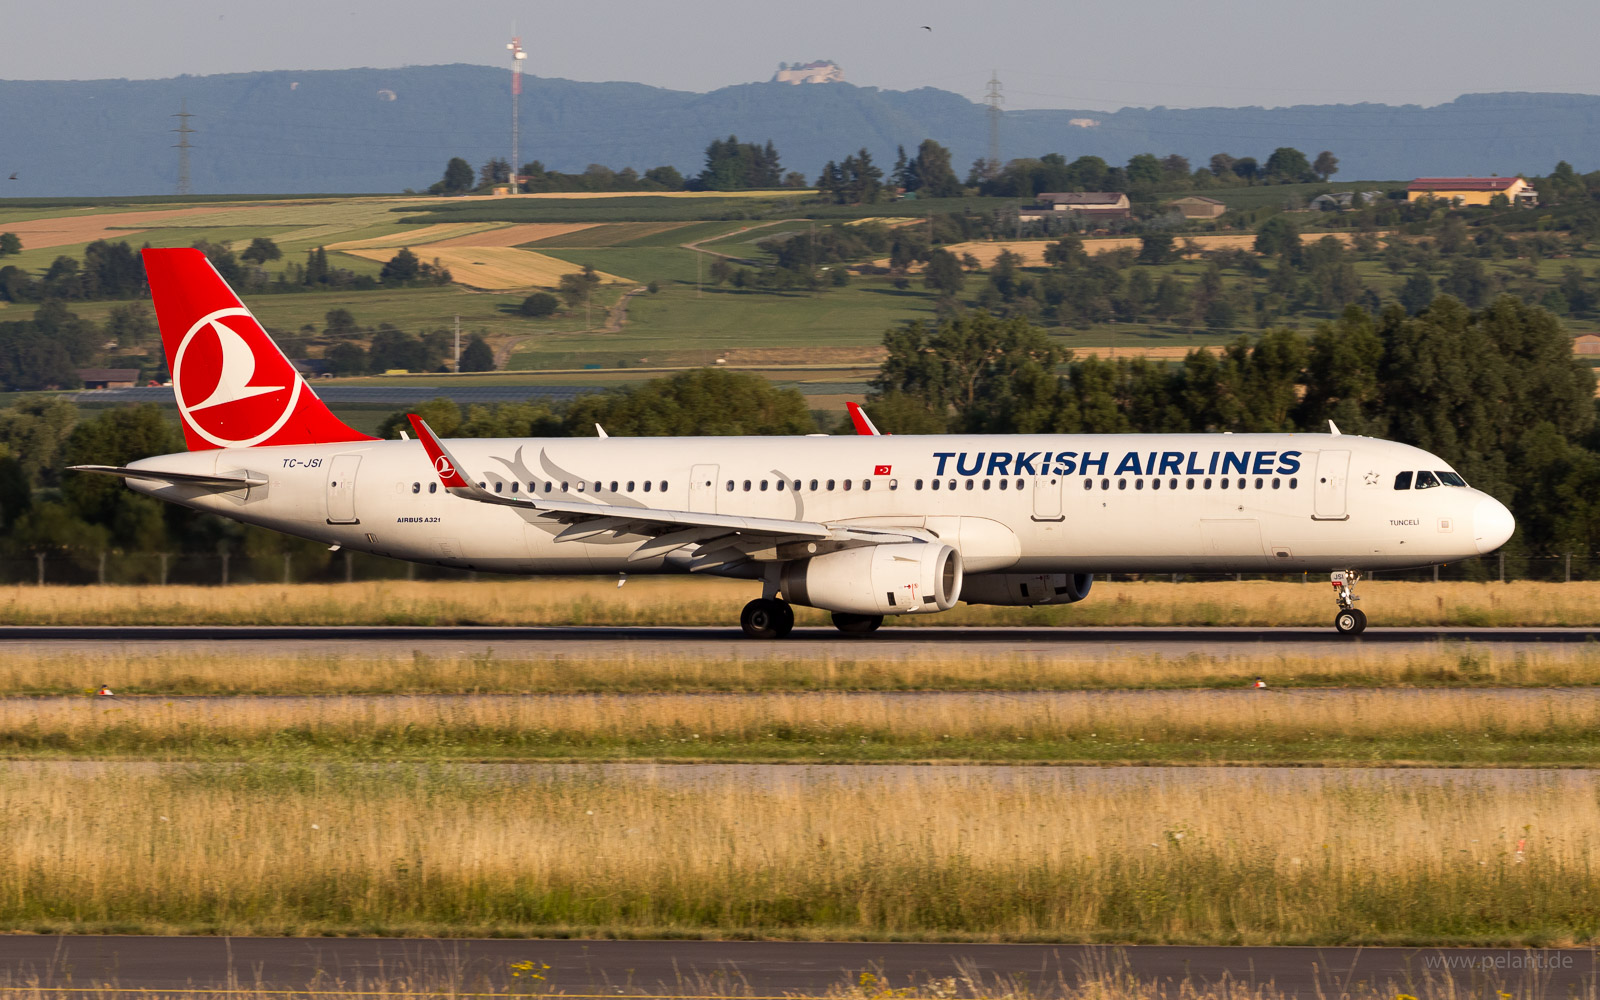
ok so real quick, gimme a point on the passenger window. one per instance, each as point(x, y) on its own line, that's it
point(813, 486)
point(971, 484)
point(866, 484)
point(763, 486)
point(952, 484)
point(1019, 484)
point(630, 486)
point(514, 487)
point(1426, 480)
point(1207, 484)
point(613, 486)
point(1402, 481)
point(1005, 484)
point(919, 484)
point(1275, 483)
point(1122, 484)
point(730, 486)
point(533, 487)
point(1173, 484)
point(1105, 484)
point(1138, 484)
point(433, 487)
point(1088, 484)
point(1155, 484)
point(747, 486)
point(1223, 482)
point(664, 485)
point(416, 487)
point(1188, 484)
point(894, 484)
point(1241, 482)
point(1294, 484)
point(497, 486)
point(830, 486)
point(564, 486)
point(846, 484)
point(580, 487)
point(646, 485)
point(781, 484)
point(1259, 484)
point(1451, 479)
point(597, 487)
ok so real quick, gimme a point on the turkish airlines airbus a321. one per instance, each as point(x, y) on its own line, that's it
point(863, 526)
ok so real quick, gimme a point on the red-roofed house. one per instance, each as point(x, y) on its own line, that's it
point(1472, 190)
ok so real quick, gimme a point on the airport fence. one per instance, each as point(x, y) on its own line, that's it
point(230, 568)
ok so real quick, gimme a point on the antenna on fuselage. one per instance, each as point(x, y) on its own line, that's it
point(601, 431)
point(1333, 428)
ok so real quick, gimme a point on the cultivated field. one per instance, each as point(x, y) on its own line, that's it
point(1227, 856)
point(698, 601)
point(492, 267)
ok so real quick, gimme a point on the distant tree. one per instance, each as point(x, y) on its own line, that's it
point(400, 268)
point(1157, 248)
point(666, 176)
point(261, 250)
point(1221, 164)
point(457, 179)
point(577, 288)
point(932, 173)
point(1417, 292)
point(1175, 166)
point(496, 171)
point(341, 324)
point(944, 272)
point(1287, 165)
point(1277, 235)
point(705, 401)
point(10, 244)
point(539, 304)
point(346, 358)
point(131, 325)
point(1326, 165)
point(902, 175)
point(1144, 170)
point(477, 356)
point(732, 165)
point(794, 179)
point(1246, 169)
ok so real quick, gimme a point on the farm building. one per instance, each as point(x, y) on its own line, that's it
point(1587, 344)
point(1472, 190)
point(1198, 207)
point(1342, 201)
point(109, 378)
point(1090, 204)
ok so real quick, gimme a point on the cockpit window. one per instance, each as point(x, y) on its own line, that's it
point(1426, 480)
point(1451, 479)
point(1402, 481)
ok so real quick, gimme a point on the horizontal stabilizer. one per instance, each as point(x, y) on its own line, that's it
point(238, 482)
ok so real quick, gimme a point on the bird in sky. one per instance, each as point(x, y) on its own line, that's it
point(926, 28)
point(12, 177)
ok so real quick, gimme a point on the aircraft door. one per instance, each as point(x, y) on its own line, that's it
point(703, 489)
point(1047, 498)
point(342, 489)
point(1333, 468)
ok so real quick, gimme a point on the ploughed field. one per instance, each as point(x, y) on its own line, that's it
point(1433, 792)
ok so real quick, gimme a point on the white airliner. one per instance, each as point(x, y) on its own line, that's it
point(864, 526)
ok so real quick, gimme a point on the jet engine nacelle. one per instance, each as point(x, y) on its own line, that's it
point(1026, 589)
point(902, 578)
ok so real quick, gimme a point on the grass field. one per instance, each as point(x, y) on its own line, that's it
point(1220, 856)
point(699, 601)
point(759, 668)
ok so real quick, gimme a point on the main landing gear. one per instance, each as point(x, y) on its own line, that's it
point(767, 618)
point(771, 618)
point(1350, 620)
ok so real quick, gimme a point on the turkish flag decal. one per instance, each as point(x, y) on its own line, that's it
point(880, 470)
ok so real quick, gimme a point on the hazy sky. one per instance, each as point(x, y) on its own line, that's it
point(1181, 53)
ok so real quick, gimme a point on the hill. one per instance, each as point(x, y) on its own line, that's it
point(372, 130)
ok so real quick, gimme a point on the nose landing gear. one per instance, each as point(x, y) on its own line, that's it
point(767, 618)
point(1349, 620)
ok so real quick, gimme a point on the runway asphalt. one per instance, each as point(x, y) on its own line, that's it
point(730, 643)
point(758, 968)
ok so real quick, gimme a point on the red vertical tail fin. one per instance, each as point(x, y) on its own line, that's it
point(234, 387)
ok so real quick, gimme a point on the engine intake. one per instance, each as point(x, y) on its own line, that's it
point(903, 578)
point(1026, 589)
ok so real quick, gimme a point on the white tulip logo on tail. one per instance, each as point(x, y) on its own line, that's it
point(235, 364)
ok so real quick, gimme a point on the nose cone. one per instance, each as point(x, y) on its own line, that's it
point(1492, 524)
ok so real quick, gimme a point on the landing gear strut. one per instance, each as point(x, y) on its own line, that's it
point(1349, 620)
point(767, 618)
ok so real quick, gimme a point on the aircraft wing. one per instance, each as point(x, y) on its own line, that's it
point(673, 528)
point(156, 475)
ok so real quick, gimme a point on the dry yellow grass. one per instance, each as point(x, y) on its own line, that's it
point(1032, 251)
point(1478, 728)
point(676, 600)
point(139, 670)
point(493, 267)
point(66, 230)
point(515, 235)
point(1236, 856)
point(418, 236)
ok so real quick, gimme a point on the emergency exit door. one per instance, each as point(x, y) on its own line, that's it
point(1047, 498)
point(1333, 468)
point(703, 489)
point(342, 489)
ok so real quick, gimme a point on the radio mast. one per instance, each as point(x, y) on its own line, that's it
point(517, 56)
